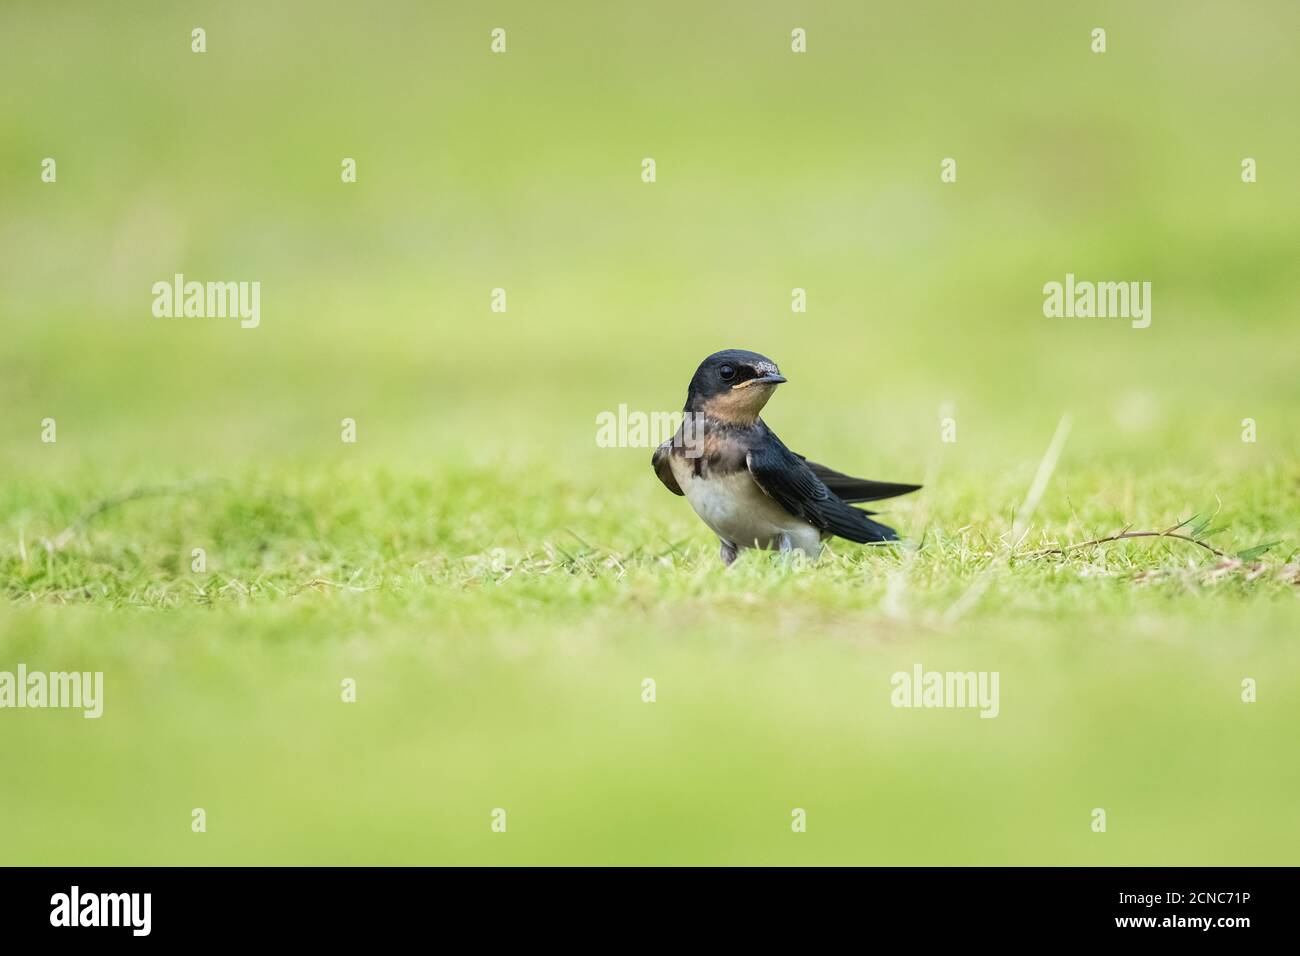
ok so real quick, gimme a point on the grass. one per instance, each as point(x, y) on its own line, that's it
point(511, 676)
point(399, 537)
point(497, 585)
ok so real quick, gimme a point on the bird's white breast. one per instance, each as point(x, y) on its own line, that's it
point(738, 511)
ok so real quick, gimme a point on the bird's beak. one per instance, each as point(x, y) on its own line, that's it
point(772, 378)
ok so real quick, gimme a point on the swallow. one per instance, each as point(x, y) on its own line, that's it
point(743, 482)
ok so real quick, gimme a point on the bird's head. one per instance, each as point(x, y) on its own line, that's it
point(733, 385)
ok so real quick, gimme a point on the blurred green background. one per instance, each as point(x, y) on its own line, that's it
point(497, 584)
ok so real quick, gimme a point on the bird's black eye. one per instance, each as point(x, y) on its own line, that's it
point(727, 372)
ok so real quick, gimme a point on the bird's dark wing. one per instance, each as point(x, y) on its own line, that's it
point(789, 481)
point(852, 490)
point(664, 467)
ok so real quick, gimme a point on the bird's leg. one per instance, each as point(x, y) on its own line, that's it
point(791, 556)
point(728, 552)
